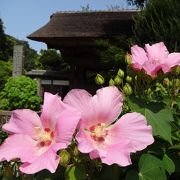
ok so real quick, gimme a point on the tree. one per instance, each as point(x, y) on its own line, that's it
point(159, 21)
point(51, 59)
point(7, 43)
point(5, 72)
point(4, 45)
point(138, 3)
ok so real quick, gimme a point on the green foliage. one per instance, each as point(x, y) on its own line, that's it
point(3, 136)
point(5, 72)
point(111, 52)
point(20, 92)
point(158, 116)
point(52, 60)
point(159, 21)
point(4, 45)
point(30, 55)
point(138, 3)
point(75, 172)
point(168, 164)
point(151, 167)
point(7, 45)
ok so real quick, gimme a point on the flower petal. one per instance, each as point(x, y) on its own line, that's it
point(94, 154)
point(151, 68)
point(173, 60)
point(52, 109)
point(23, 121)
point(18, 146)
point(132, 127)
point(118, 154)
point(104, 107)
point(84, 142)
point(49, 160)
point(138, 56)
point(107, 104)
point(156, 51)
point(66, 125)
point(81, 100)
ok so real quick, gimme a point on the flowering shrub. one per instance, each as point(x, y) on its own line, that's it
point(128, 131)
point(155, 58)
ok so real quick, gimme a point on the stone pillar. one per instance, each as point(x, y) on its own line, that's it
point(18, 60)
point(40, 90)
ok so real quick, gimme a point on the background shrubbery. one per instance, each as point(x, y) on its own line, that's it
point(20, 92)
point(159, 21)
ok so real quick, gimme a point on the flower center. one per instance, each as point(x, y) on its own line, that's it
point(98, 132)
point(45, 136)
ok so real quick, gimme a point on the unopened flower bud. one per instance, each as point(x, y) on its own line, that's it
point(99, 79)
point(166, 81)
point(127, 89)
point(120, 73)
point(128, 79)
point(75, 151)
point(176, 83)
point(128, 58)
point(64, 157)
point(117, 80)
point(176, 70)
point(111, 82)
point(170, 84)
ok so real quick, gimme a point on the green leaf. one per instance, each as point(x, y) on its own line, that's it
point(177, 146)
point(168, 164)
point(75, 172)
point(108, 172)
point(150, 168)
point(157, 116)
point(160, 123)
point(132, 175)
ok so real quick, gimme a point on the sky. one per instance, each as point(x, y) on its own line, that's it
point(22, 17)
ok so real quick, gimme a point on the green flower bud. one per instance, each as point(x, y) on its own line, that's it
point(166, 81)
point(128, 58)
point(99, 79)
point(170, 84)
point(64, 158)
point(75, 151)
point(117, 80)
point(128, 79)
point(127, 90)
point(176, 83)
point(111, 82)
point(176, 70)
point(120, 73)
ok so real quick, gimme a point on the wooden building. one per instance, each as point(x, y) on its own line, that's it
point(74, 34)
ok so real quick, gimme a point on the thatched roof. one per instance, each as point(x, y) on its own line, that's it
point(84, 25)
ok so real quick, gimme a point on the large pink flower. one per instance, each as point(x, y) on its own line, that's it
point(100, 134)
point(154, 58)
point(35, 140)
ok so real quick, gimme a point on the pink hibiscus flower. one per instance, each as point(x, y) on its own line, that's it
point(100, 134)
point(35, 140)
point(154, 58)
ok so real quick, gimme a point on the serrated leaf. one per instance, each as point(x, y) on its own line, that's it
point(168, 164)
point(75, 172)
point(150, 168)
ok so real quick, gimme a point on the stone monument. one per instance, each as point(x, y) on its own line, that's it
point(18, 60)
